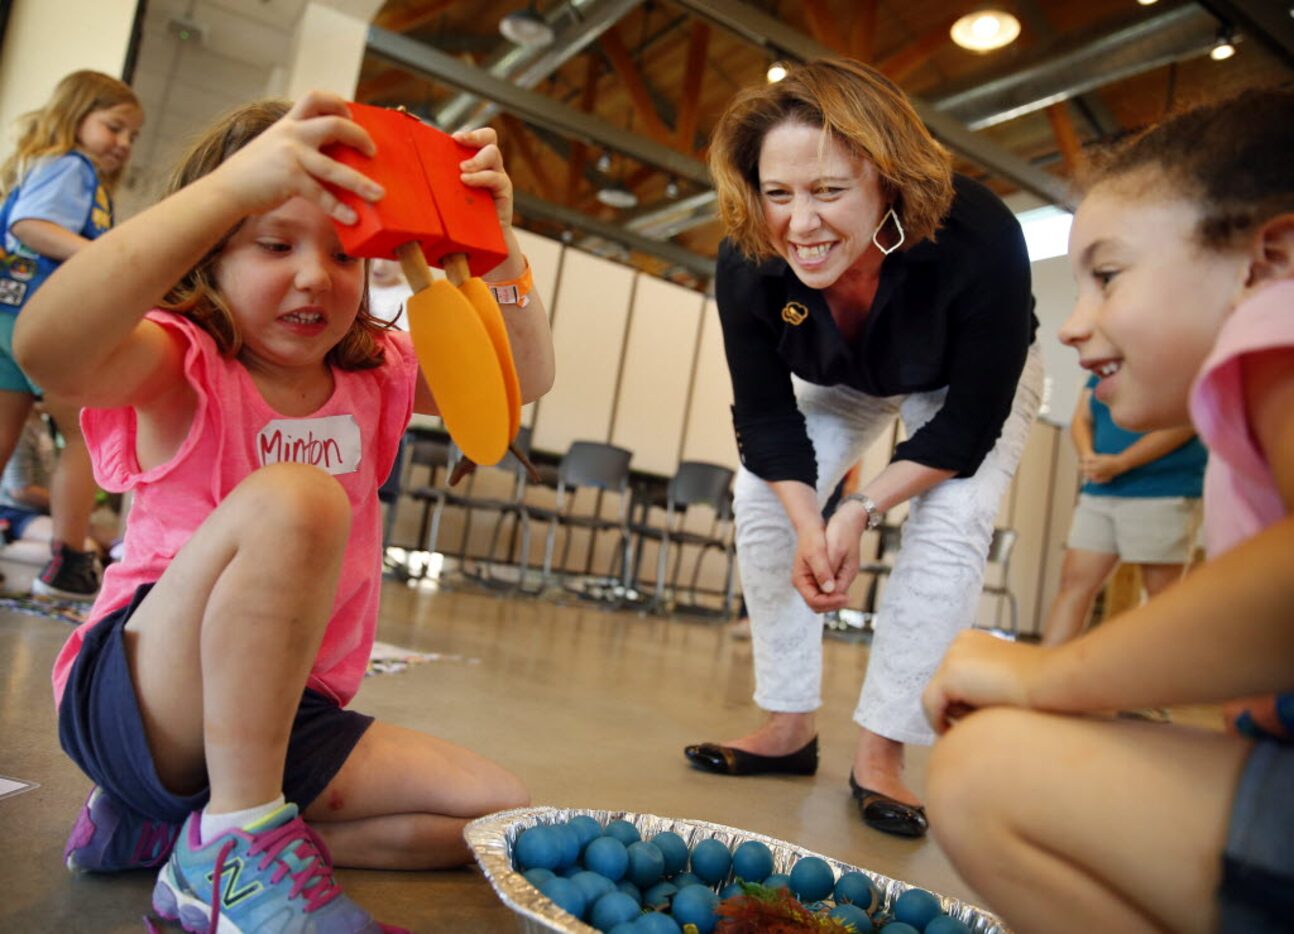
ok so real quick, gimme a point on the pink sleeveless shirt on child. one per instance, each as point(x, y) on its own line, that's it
point(1241, 497)
point(354, 436)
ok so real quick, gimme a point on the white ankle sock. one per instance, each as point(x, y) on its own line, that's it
point(213, 825)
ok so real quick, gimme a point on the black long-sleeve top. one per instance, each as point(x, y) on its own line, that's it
point(955, 312)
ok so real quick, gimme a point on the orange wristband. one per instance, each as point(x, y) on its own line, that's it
point(514, 291)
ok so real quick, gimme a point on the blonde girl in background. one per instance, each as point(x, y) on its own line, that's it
point(57, 189)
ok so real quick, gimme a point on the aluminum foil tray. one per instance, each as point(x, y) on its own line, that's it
point(492, 838)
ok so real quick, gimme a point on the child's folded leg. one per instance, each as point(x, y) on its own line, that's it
point(1077, 824)
point(403, 797)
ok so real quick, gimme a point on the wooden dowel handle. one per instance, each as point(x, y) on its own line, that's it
point(414, 264)
point(455, 266)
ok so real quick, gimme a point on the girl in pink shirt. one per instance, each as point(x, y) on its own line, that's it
point(235, 380)
point(1064, 820)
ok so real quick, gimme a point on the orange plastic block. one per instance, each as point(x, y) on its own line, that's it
point(425, 200)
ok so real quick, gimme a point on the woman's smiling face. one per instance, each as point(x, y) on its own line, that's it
point(821, 203)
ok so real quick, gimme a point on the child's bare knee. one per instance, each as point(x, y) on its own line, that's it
point(296, 496)
point(969, 764)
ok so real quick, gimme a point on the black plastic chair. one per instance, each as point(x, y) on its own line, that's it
point(695, 483)
point(603, 468)
point(417, 451)
point(435, 498)
point(999, 553)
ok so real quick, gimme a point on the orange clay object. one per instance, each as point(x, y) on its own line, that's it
point(459, 362)
point(428, 213)
point(478, 293)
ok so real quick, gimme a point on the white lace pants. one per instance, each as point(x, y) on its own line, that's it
point(934, 589)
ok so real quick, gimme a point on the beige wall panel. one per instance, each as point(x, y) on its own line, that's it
point(709, 434)
point(1029, 506)
point(659, 355)
point(589, 318)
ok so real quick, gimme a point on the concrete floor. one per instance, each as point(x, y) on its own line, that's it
point(592, 708)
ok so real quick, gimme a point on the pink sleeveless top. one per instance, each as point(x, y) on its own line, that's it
point(354, 436)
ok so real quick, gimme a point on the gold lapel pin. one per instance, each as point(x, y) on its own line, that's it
point(794, 313)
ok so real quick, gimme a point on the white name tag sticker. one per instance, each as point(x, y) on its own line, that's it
point(331, 443)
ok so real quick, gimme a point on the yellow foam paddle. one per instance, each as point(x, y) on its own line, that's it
point(478, 293)
point(458, 359)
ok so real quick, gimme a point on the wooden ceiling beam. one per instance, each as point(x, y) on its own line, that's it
point(914, 54)
point(579, 151)
point(689, 111)
point(1062, 125)
point(412, 15)
point(824, 26)
point(628, 73)
point(862, 32)
point(521, 141)
point(382, 84)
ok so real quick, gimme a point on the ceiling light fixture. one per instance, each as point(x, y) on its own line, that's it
point(616, 195)
point(1224, 48)
point(1147, 2)
point(671, 189)
point(527, 28)
point(603, 163)
point(776, 72)
point(985, 29)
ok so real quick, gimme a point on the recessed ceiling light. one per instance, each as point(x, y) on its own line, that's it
point(617, 195)
point(985, 30)
point(1222, 51)
point(776, 72)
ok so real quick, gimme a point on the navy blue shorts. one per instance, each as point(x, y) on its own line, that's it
point(100, 727)
point(1257, 892)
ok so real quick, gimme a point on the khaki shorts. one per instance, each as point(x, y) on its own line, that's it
point(1158, 530)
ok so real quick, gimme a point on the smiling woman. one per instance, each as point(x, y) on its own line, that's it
point(862, 280)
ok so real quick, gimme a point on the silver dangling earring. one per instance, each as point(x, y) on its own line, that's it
point(876, 233)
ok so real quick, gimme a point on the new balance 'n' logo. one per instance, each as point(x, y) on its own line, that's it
point(230, 872)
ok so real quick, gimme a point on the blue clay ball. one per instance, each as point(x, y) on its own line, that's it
point(696, 905)
point(612, 909)
point(656, 923)
point(624, 885)
point(659, 895)
point(852, 915)
point(646, 863)
point(567, 871)
point(812, 879)
point(898, 927)
point(711, 861)
point(608, 857)
point(752, 861)
point(623, 831)
point(854, 888)
point(684, 879)
point(947, 924)
point(593, 885)
point(731, 890)
point(538, 848)
point(917, 907)
point(625, 927)
point(674, 850)
point(570, 844)
point(586, 828)
point(778, 880)
point(565, 894)
point(536, 876)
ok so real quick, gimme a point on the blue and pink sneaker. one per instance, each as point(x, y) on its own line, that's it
point(274, 877)
point(110, 837)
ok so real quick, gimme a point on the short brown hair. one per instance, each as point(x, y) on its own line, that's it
point(856, 105)
point(1233, 157)
point(197, 295)
point(51, 131)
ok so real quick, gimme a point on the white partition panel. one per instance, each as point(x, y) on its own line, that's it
point(589, 316)
point(659, 356)
point(709, 434)
point(545, 258)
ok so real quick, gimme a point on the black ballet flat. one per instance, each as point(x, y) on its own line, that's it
point(883, 813)
point(724, 760)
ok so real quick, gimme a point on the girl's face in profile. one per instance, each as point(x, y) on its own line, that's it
point(821, 203)
point(1151, 298)
point(107, 136)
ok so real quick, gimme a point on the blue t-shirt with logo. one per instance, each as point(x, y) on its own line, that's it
point(1180, 472)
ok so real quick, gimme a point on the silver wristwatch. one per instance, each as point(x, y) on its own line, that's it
point(874, 516)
